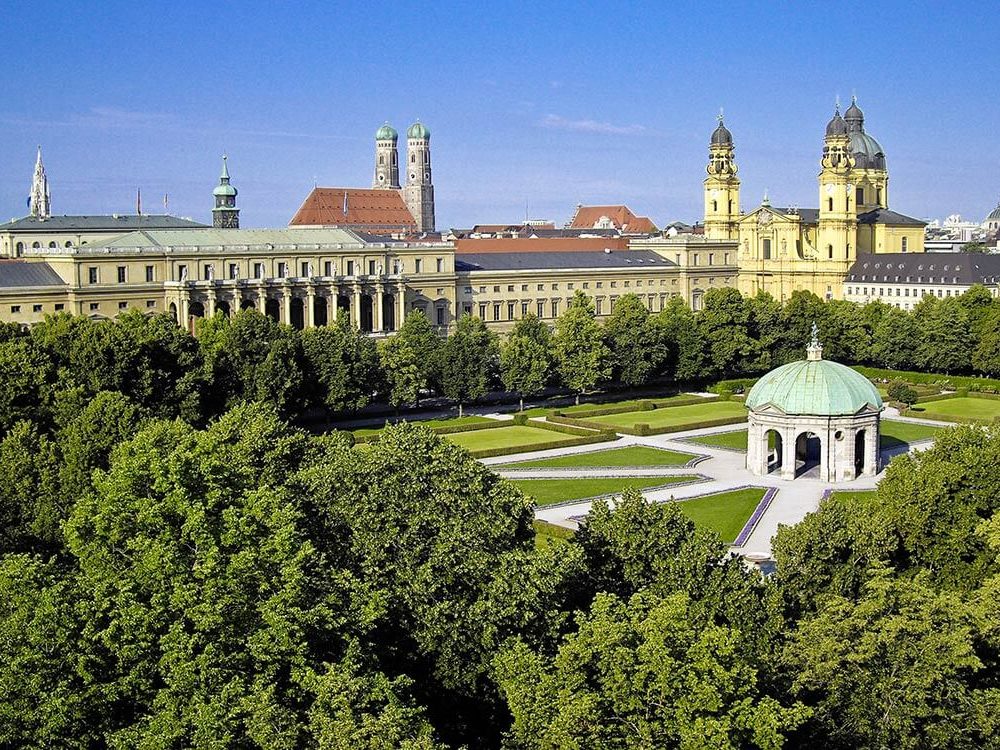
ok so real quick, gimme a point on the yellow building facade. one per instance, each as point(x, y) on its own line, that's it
point(781, 250)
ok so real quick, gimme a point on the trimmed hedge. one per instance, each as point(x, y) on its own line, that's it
point(957, 381)
point(510, 450)
point(520, 419)
point(736, 385)
point(644, 405)
point(644, 430)
point(474, 427)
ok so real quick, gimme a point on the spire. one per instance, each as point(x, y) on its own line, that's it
point(224, 177)
point(766, 201)
point(814, 352)
point(225, 215)
point(38, 200)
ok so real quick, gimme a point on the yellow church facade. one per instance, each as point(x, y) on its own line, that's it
point(780, 250)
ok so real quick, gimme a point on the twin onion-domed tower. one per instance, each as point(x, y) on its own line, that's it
point(418, 193)
point(815, 418)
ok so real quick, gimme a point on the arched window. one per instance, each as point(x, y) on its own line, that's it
point(715, 205)
point(829, 251)
point(381, 160)
point(829, 204)
point(68, 244)
point(52, 243)
point(35, 244)
point(20, 248)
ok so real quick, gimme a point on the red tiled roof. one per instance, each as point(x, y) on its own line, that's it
point(539, 244)
point(376, 211)
point(588, 217)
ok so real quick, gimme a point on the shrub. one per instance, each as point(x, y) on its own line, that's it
point(903, 393)
point(641, 428)
point(725, 395)
point(520, 419)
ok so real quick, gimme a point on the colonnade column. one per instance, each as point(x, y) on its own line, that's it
point(286, 306)
point(377, 309)
point(185, 303)
point(870, 465)
point(333, 305)
point(356, 306)
point(400, 304)
point(210, 307)
point(262, 301)
point(310, 321)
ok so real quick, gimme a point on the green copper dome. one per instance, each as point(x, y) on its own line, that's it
point(816, 387)
point(418, 130)
point(386, 133)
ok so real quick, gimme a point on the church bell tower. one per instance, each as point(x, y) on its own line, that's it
point(386, 159)
point(838, 218)
point(722, 187)
point(419, 191)
point(225, 215)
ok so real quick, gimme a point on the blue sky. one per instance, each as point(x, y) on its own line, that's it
point(547, 104)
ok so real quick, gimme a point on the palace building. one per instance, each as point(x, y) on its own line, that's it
point(781, 250)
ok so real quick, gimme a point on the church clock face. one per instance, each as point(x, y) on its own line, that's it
point(829, 189)
point(412, 176)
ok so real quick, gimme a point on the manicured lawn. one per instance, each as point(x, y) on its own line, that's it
point(529, 438)
point(548, 491)
point(675, 416)
point(549, 533)
point(893, 434)
point(736, 440)
point(724, 513)
point(903, 433)
point(453, 422)
point(633, 455)
point(851, 495)
point(968, 408)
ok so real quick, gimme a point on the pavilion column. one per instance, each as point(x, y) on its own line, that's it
point(356, 306)
point(262, 300)
point(184, 308)
point(333, 313)
point(788, 457)
point(377, 309)
point(871, 451)
point(210, 305)
point(286, 306)
point(310, 321)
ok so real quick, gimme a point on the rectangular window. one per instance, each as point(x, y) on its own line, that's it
point(600, 284)
point(15, 308)
point(327, 268)
point(599, 306)
point(694, 259)
point(859, 196)
point(304, 268)
point(765, 249)
point(541, 287)
point(496, 311)
point(614, 284)
point(207, 272)
point(59, 306)
point(440, 265)
point(468, 290)
point(151, 303)
point(540, 307)
point(524, 309)
point(628, 283)
point(350, 267)
point(510, 311)
point(569, 285)
point(150, 274)
point(524, 287)
point(467, 308)
point(482, 311)
point(121, 274)
point(282, 270)
point(397, 267)
point(496, 288)
point(419, 265)
point(36, 308)
point(726, 259)
point(555, 287)
point(371, 268)
point(440, 316)
point(904, 244)
point(258, 270)
point(95, 306)
point(555, 308)
point(122, 305)
point(234, 270)
point(182, 272)
point(711, 259)
point(829, 203)
point(510, 287)
point(92, 274)
point(586, 285)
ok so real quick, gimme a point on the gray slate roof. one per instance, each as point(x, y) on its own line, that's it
point(636, 259)
point(20, 273)
point(121, 222)
point(885, 216)
point(927, 268)
point(806, 215)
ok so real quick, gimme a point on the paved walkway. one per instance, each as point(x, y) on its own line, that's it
point(723, 468)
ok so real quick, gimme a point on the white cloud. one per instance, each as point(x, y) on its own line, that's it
point(590, 126)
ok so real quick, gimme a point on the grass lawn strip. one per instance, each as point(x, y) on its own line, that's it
point(674, 416)
point(734, 441)
point(549, 533)
point(628, 456)
point(728, 513)
point(523, 436)
point(963, 408)
point(557, 491)
point(432, 423)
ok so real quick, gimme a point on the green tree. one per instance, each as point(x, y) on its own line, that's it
point(724, 321)
point(341, 366)
point(902, 392)
point(580, 354)
point(974, 247)
point(641, 674)
point(31, 504)
point(686, 345)
point(26, 373)
point(420, 336)
point(401, 370)
point(802, 309)
point(946, 339)
point(897, 668)
point(469, 361)
point(635, 341)
point(986, 355)
point(896, 341)
point(525, 366)
point(766, 327)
